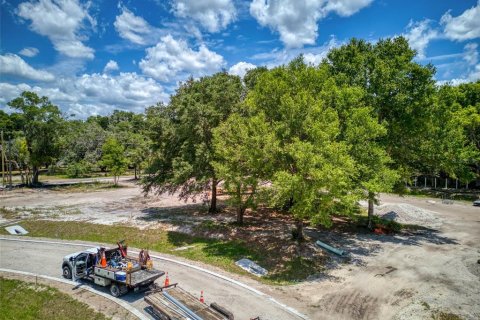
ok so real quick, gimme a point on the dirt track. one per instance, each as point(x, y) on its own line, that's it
point(408, 276)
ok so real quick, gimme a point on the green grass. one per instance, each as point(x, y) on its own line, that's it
point(219, 253)
point(441, 315)
point(7, 213)
point(457, 195)
point(21, 300)
point(86, 187)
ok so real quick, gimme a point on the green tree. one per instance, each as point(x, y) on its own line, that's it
point(82, 144)
point(313, 169)
point(183, 152)
point(400, 91)
point(42, 124)
point(362, 132)
point(451, 146)
point(113, 158)
point(245, 149)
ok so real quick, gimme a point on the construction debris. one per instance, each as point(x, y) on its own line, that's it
point(330, 248)
point(252, 267)
point(16, 230)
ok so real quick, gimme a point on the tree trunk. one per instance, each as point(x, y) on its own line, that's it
point(371, 197)
point(240, 208)
point(35, 175)
point(213, 202)
point(135, 172)
point(240, 212)
point(299, 230)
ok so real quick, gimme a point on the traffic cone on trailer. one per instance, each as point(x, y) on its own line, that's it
point(167, 281)
point(201, 297)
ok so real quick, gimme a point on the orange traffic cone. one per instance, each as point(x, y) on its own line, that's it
point(201, 297)
point(103, 262)
point(167, 281)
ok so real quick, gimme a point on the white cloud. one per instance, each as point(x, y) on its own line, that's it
point(14, 65)
point(419, 34)
point(472, 76)
point(213, 15)
point(464, 27)
point(135, 28)
point(296, 21)
point(471, 53)
point(29, 52)
point(110, 66)
point(241, 68)
point(311, 55)
point(346, 8)
point(94, 93)
point(61, 22)
point(171, 58)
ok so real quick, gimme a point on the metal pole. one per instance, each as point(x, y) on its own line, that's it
point(435, 187)
point(446, 183)
point(456, 183)
point(425, 182)
point(415, 182)
point(10, 161)
point(3, 161)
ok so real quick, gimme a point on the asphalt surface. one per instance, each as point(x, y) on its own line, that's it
point(46, 259)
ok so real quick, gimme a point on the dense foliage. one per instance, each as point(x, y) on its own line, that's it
point(311, 140)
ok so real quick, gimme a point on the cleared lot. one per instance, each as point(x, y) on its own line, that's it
point(418, 274)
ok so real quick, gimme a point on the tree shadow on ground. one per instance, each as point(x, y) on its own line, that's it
point(190, 210)
point(359, 242)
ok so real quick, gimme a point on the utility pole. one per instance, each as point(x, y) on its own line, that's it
point(10, 161)
point(3, 160)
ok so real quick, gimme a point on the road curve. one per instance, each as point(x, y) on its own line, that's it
point(44, 257)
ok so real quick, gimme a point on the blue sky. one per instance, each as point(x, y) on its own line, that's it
point(91, 57)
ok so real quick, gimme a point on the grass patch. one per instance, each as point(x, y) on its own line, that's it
point(216, 252)
point(463, 195)
point(8, 213)
point(441, 315)
point(86, 187)
point(22, 300)
point(293, 270)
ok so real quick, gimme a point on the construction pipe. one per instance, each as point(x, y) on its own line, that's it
point(181, 306)
point(326, 246)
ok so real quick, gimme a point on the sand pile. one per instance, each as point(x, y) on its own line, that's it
point(407, 214)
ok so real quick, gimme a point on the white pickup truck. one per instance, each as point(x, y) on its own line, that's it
point(120, 272)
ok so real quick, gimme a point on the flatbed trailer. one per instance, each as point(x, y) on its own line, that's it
point(174, 303)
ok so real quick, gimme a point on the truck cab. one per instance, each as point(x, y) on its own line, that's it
point(79, 264)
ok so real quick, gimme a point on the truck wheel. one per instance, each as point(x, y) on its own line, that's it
point(67, 272)
point(115, 290)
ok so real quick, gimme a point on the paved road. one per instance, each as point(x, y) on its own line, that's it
point(45, 259)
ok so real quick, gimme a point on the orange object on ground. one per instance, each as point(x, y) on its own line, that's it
point(378, 231)
point(167, 281)
point(201, 297)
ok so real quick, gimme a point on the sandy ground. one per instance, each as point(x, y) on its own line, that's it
point(407, 276)
point(410, 276)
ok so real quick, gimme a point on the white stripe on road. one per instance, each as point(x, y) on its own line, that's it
point(121, 303)
point(238, 283)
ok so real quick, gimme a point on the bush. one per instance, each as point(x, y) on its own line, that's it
point(79, 169)
point(385, 224)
